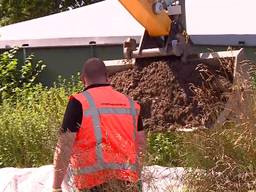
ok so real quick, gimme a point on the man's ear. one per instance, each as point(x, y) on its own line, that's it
point(83, 80)
point(107, 77)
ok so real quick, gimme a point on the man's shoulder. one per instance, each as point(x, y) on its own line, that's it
point(130, 98)
point(74, 102)
point(76, 96)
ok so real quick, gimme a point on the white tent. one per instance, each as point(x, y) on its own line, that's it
point(106, 22)
point(209, 22)
point(221, 22)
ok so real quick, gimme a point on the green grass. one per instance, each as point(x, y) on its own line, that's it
point(164, 149)
point(28, 126)
point(30, 120)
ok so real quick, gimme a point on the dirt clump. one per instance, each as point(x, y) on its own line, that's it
point(173, 94)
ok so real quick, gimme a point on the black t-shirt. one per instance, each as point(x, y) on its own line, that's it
point(74, 114)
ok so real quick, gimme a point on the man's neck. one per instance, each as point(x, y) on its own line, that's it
point(96, 85)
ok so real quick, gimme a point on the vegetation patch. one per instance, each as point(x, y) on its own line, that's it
point(31, 116)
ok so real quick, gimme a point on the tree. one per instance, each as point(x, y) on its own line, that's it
point(13, 11)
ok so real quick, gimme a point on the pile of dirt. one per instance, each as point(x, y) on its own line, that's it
point(173, 94)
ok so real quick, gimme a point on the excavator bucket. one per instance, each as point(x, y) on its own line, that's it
point(236, 68)
point(222, 74)
point(238, 102)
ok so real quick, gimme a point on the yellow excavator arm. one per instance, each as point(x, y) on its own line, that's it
point(164, 30)
point(142, 10)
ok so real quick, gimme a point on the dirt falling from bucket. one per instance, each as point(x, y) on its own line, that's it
point(173, 94)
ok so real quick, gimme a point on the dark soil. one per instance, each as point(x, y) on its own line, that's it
point(173, 94)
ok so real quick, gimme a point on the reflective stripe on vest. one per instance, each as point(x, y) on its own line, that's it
point(95, 112)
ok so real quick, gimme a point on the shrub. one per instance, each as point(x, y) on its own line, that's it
point(29, 125)
point(15, 74)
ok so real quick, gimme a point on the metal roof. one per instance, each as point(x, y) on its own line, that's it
point(106, 22)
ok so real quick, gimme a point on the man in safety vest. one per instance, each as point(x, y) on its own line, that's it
point(101, 138)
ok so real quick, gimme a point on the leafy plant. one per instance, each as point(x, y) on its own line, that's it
point(14, 74)
point(71, 85)
point(164, 149)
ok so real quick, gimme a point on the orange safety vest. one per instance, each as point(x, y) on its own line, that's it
point(105, 147)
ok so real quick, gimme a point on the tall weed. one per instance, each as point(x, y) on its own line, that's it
point(224, 158)
point(29, 122)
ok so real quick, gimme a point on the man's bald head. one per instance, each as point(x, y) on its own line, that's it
point(94, 71)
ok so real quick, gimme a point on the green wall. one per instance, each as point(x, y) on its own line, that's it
point(66, 61)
